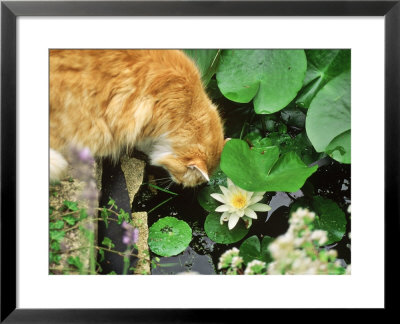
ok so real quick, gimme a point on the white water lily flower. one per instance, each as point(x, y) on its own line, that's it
point(238, 203)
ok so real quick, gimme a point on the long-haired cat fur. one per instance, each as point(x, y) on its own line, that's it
point(114, 100)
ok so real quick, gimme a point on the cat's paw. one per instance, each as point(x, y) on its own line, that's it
point(58, 166)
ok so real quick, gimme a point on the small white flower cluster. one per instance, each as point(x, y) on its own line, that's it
point(255, 267)
point(296, 252)
point(233, 263)
point(230, 260)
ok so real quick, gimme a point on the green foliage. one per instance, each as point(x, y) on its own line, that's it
point(340, 147)
point(330, 217)
point(104, 215)
point(221, 233)
point(70, 220)
point(108, 243)
point(55, 246)
point(251, 169)
point(255, 171)
point(54, 258)
point(162, 189)
point(322, 66)
point(294, 117)
point(56, 235)
point(169, 236)
point(251, 249)
point(123, 216)
point(101, 253)
point(206, 60)
point(56, 225)
point(76, 262)
point(71, 205)
point(328, 119)
point(204, 198)
point(299, 144)
point(111, 203)
point(271, 77)
point(82, 214)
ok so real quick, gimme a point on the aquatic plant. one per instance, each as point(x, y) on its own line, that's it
point(298, 251)
point(238, 204)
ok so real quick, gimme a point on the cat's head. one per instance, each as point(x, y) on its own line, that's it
point(187, 122)
point(194, 155)
point(192, 167)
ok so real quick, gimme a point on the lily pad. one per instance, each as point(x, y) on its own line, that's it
point(221, 233)
point(254, 171)
point(251, 249)
point(206, 60)
point(293, 117)
point(340, 147)
point(169, 236)
point(330, 217)
point(206, 201)
point(299, 144)
point(204, 196)
point(329, 116)
point(322, 66)
point(247, 168)
point(271, 77)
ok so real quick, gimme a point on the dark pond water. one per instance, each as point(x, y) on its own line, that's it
point(332, 181)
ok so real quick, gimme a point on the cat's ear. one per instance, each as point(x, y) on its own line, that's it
point(201, 167)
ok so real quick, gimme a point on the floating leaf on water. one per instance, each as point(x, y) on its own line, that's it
point(328, 119)
point(251, 249)
point(255, 171)
point(169, 236)
point(206, 60)
point(221, 233)
point(271, 77)
point(330, 217)
point(322, 66)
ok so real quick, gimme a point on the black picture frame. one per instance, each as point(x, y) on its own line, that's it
point(11, 10)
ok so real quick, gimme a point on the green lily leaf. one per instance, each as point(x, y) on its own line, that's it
point(206, 60)
point(221, 233)
point(169, 236)
point(251, 249)
point(206, 201)
point(247, 168)
point(254, 171)
point(299, 144)
point(289, 174)
point(271, 77)
point(329, 116)
point(340, 147)
point(322, 66)
point(330, 217)
point(204, 196)
point(293, 117)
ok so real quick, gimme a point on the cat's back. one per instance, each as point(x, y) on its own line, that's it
point(116, 62)
point(94, 94)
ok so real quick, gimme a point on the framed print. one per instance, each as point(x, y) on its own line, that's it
point(234, 141)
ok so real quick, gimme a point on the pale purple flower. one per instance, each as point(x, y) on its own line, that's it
point(85, 155)
point(131, 234)
point(82, 163)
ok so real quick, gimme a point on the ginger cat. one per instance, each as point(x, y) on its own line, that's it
point(113, 100)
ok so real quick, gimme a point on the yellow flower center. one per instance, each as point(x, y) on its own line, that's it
point(239, 200)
